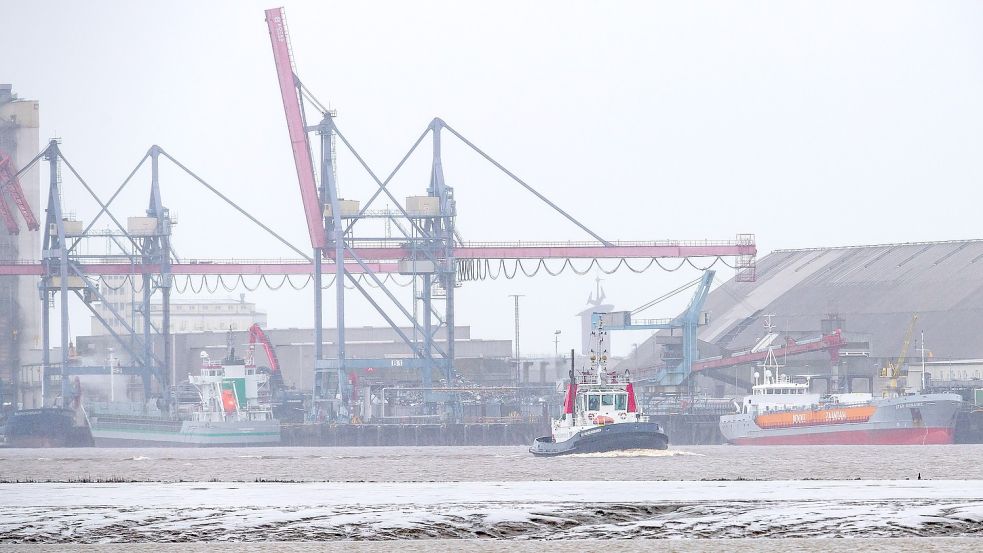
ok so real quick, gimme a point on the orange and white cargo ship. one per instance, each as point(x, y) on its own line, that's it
point(782, 412)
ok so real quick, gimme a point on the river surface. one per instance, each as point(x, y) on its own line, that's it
point(689, 498)
point(472, 464)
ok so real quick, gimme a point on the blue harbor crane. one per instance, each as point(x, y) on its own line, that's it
point(688, 321)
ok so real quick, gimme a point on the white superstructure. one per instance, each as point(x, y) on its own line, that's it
point(231, 390)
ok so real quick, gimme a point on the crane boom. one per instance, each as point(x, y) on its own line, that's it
point(8, 179)
point(896, 370)
point(295, 124)
point(8, 217)
point(832, 342)
point(256, 334)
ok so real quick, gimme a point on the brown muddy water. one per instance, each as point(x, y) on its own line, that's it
point(437, 464)
point(689, 498)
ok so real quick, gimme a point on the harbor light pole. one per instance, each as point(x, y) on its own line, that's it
point(556, 343)
point(518, 362)
point(112, 376)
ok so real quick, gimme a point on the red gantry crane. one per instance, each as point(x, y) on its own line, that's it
point(429, 249)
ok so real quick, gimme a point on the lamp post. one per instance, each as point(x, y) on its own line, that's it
point(112, 376)
point(518, 363)
point(556, 343)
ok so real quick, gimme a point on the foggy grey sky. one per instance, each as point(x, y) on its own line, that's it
point(806, 123)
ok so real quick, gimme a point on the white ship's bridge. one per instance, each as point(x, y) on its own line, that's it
point(781, 384)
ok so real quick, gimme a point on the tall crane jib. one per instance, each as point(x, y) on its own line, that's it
point(11, 185)
point(8, 218)
point(256, 334)
point(299, 143)
point(893, 371)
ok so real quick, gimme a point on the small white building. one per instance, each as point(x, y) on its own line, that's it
point(187, 315)
point(953, 370)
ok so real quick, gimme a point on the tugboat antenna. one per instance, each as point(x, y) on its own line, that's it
point(572, 375)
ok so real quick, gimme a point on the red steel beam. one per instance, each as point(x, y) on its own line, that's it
point(8, 178)
point(600, 252)
point(533, 250)
point(8, 217)
point(20, 269)
point(828, 341)
point(202, 268)
point(384, 259)
point(295, 124)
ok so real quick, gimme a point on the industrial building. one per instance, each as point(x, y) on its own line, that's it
point(187, 314)
point(485, 361)
point(20, 305)
point(876, 295)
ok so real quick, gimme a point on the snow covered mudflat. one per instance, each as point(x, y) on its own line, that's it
point(224, 511)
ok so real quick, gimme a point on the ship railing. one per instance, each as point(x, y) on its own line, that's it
point(120, 408)
point(132, 425)
point(410, 419)
point(505, 420)
point(694, 406)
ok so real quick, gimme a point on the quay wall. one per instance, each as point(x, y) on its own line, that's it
point(682, 430)
point(477, 434)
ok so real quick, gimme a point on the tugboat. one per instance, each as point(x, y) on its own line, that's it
point(600, 413)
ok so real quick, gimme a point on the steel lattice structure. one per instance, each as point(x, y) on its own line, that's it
point(426, 249)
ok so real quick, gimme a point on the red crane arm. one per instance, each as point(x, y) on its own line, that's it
point(295, 124)
point(299, 267)
point(829, 341)
point(8, 178)
point(8, 217)
point(256, 334)
point(574, 250)
point(386, 259)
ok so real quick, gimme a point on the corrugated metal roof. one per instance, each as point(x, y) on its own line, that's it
point(875, 289)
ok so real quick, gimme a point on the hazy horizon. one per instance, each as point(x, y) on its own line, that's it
point(808, 124)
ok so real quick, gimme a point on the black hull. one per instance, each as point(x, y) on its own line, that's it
point(46, 428)
point(612, 437)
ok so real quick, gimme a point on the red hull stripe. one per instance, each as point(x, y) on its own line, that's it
point(888, 436)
